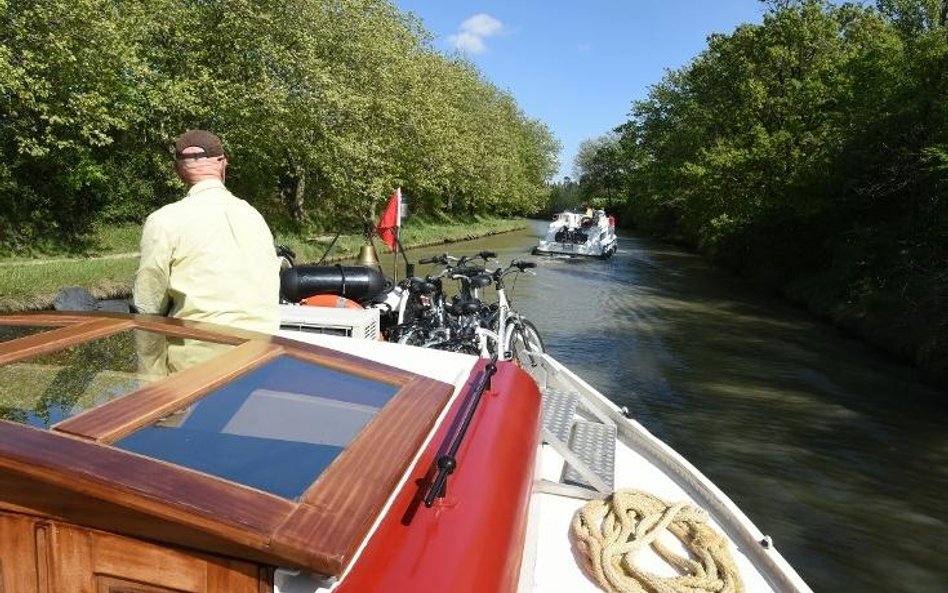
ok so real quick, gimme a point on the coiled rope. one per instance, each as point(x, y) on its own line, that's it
point(610, 533)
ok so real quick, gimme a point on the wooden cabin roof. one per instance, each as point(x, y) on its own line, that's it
point(216, 439)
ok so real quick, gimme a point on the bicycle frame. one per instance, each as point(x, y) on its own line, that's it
point(506, 322)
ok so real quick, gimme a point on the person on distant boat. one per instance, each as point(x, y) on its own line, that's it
point(209, 256)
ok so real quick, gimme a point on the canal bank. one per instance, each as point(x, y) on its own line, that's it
point(916, 333)
point(107, 266)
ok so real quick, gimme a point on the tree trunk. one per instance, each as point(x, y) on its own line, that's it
point(293, 192)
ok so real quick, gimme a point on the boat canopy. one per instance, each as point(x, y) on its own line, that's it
point(221, 440)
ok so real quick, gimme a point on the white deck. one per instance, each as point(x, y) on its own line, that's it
point(641, 462)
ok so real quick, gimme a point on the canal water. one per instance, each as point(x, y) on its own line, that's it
point(836, 451)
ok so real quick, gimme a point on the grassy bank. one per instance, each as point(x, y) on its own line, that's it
point(106, 265)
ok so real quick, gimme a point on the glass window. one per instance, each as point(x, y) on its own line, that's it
point(12, 332)
point(46, 389)
point(275, 428)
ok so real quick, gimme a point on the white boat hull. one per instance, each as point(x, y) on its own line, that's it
point(596, 249)
point(575, 235)
point(642, 462)
point(550, 561)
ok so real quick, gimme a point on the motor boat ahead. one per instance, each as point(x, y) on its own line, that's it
point(140, 453)
point(580, 234)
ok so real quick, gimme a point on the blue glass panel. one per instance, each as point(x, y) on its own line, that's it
point(275, 428)
point(283, 468)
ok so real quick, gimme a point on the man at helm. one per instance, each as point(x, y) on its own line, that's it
point(209, 256)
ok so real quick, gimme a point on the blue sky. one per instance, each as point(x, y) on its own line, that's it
point(578, 65)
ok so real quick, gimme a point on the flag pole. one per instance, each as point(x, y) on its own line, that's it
point(398, 245)
point(398, 231)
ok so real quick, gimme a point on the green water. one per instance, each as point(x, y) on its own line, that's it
point(833, 449)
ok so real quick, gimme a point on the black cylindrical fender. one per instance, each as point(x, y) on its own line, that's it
point(358, 283)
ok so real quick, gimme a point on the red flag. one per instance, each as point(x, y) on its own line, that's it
point(390, 221)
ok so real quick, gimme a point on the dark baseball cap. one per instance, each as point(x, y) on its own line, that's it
point(199, 139)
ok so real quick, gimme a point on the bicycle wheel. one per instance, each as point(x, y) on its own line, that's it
point(524, 338)
point(413, 336)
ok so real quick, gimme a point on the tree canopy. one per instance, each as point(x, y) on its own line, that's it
point(810, 149)
point(324, 106)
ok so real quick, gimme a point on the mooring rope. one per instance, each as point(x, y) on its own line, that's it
point(610, 533)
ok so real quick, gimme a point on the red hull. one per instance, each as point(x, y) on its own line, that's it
point(471, 540)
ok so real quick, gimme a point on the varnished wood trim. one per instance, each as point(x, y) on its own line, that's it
point(359, 367)
point(51, 318)
point(107, 584)
point(55, 474)
point(265, 577)
point(165, 325)
point(69, 478)
point(57, 339)
point(341, 361)
point(339, 508)
point(118, 418)
point(41, 545)
point(18, 556)
point(194, 330)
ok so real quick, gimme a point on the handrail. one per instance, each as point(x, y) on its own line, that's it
point(447, 462)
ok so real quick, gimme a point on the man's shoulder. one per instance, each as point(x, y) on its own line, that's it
point(165, 214)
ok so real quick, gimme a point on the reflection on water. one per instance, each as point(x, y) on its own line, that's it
point(835, 451)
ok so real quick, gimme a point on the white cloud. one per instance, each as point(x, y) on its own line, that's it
point(468, 42)
point(473, 31)
point(483, 25)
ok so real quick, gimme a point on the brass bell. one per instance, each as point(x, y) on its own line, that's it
point(368, 256)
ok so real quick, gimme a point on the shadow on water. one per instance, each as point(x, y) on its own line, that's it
point(837, 452)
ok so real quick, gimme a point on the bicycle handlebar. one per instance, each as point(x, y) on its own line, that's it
point(444, 259)
point(457, 268)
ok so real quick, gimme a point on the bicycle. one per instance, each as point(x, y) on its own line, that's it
point(503, 329)
point(487, 329)
point(420, 306)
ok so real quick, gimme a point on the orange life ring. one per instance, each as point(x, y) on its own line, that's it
point(330, 300)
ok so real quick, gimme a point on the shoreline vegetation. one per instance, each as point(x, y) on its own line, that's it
point(107, 267)
point(808, 153)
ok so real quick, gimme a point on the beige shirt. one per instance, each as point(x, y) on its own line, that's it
point(209, 257)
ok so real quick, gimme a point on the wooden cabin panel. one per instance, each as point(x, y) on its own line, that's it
point(69, 556)
point(69, 476)
point(114, 585)
point(19, 570)
point(226, 575)
point(56, 504)
point(48, 557)
point(114, 556)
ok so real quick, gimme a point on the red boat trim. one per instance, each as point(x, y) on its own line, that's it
point(485, 507)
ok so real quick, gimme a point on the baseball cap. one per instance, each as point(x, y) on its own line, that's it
point(200, 139)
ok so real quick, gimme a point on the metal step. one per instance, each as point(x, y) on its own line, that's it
point(595, 445)
point(559, 407)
